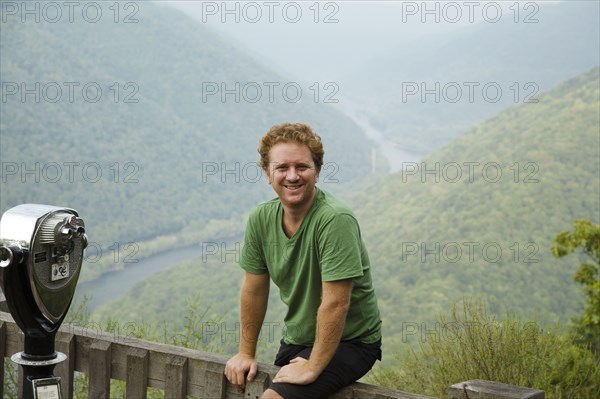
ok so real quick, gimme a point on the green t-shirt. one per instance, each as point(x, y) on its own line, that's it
point(326, 247)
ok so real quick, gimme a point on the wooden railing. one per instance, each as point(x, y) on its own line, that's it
point(181, 372)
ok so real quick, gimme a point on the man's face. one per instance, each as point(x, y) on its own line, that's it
point(293, 175)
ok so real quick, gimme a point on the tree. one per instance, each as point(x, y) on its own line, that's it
point(587, 238)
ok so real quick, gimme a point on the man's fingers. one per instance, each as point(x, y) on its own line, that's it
point(238, 368)
point(235, 378)
point(252, 372)
point(241, 381)
point(281, 375)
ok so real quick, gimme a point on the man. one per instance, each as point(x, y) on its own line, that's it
point(310, 245)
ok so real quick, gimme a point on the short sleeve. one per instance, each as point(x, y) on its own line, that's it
point(252, 259)
point(340, 249)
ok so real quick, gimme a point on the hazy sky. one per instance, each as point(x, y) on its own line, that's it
point(322, 40)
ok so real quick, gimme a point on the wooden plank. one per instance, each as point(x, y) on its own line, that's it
point(215, 381)
point(492, 389)
point(367, 391)
point(137, 374)
point(100, 357)
point(255, 388)
point(176, 370)
point(2, 355)
point(85, 337)
point(348, 393)
point(21, 380)
point(13, 343)
point(65, 343)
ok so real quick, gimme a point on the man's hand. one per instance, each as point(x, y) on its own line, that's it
point(298, 371)
point(237, 367)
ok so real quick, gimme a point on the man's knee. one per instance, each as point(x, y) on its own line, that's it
point(270, 394)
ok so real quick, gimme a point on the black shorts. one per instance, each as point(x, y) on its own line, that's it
point(351, 361)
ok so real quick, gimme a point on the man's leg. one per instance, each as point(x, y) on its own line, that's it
point(351, 361)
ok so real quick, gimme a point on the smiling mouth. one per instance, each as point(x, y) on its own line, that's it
point(293, 187)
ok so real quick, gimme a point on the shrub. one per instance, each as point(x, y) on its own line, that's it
point(476, 345)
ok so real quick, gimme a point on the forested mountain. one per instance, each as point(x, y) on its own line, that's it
point(145, 121)
point(479, 216)
point(424, 93)
point(525, 175)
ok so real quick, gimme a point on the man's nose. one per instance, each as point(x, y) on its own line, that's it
point(292, 174)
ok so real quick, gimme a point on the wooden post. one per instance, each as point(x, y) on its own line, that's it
point(65, 343)
point(20, 376)
point(176, 371)
point(137, 374)
point(216, 382)
point(480, 389)
point(100, 358)
point(255, 388)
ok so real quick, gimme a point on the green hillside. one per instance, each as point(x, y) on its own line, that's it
point(526, 175)
point(114, 118)
point(556, 146)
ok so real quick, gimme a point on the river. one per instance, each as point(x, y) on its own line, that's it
point(113, 285)
point(384, 147)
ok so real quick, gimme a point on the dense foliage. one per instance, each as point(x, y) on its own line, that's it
point(585, 237)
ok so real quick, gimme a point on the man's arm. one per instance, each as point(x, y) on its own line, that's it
point(331, 319)
point(254, 297)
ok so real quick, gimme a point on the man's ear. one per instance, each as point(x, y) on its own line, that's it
point(268, 175)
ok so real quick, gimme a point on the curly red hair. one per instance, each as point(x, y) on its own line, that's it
point(291, 132)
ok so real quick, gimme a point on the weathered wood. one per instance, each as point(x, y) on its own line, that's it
point(176, 369)
point(100, 357)
point(12, 343)
point(346, 393)
point(2, 355)
point(255, 388)
point(3, 304)
point(137, 374)
point(480, 389)
point(366, 391)
point(65, 343)
point(216, 383)
point(20, 381)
